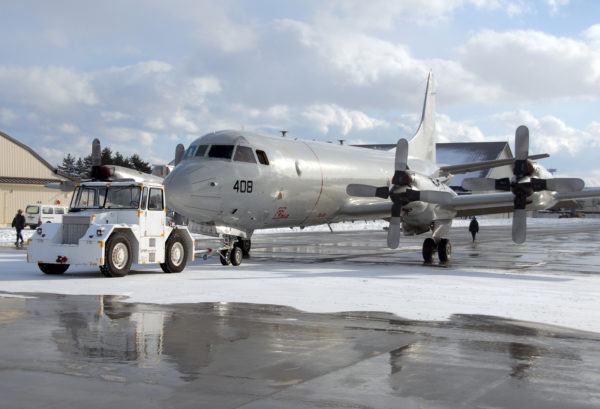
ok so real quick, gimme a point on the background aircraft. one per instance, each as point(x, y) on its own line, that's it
point(231, 183)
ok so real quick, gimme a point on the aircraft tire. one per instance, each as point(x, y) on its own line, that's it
point(225, 257)
point(428, 250)
point(175, 254)
point(444, 250)
point(245, 245)
point(53, 269)
point(118, 256)
point(236, 256)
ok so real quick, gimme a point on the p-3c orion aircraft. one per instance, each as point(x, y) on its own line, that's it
point(231, 183)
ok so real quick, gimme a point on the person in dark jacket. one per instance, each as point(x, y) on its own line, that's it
point(474, 227)
point(19, 224)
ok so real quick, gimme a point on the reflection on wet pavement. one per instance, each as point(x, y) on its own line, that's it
point(106, 352)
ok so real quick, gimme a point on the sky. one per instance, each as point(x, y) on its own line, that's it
point(143, 76)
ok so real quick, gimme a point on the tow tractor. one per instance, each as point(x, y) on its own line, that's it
point(116, 219)
point(112, 224)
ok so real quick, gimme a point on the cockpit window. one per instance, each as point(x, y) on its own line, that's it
point(221, 151)
point(262, 157)
point(190, 152)
point(244, 154)
point(201, 150)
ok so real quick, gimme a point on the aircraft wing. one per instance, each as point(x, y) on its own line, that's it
point(480, 204)
point(582, 194)
point(474, 166)
point(465, 205)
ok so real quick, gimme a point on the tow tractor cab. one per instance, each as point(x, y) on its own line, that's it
point(112, 225)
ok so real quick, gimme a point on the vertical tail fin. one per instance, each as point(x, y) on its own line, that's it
point(422, 145)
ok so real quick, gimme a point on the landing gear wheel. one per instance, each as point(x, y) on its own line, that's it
point(428, 250)
point(245, 245)
point(236, 256)
point(225, 257)
point(53, 268)
point(118, 256)
point(175, 254)
point(444, 250)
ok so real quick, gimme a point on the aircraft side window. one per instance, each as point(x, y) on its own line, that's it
point(144, 197)
point(201, 150)
point(244, 154)
point(221, 151)
point(190, 152)
point(155, 200)
point(262, 157)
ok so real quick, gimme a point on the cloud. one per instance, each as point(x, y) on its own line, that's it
point(7, 116)
point(550, 134)
point(533, 65)
point(45, 88)
point(324, 117)
point(453, 131)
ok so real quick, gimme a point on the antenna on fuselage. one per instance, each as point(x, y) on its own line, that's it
point(341, 141)
point(283, 133)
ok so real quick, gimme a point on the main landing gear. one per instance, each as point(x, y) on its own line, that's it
point(443, 248)
point(234, 250)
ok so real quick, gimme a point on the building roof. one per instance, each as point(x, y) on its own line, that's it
point(26, 181)
point(36, 156)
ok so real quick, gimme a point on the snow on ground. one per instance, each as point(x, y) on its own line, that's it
point(412, 291)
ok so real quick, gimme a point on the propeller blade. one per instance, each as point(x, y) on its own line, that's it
point(358, 190)
point(519, 226)
point(179, 151)
point(434, 196)
point(96, 153)
point(563, 184)
point(401, 161)
point(522, 143)
point(393, 237)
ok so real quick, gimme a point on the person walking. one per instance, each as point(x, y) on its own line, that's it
point(474, 227)
point(19, 224)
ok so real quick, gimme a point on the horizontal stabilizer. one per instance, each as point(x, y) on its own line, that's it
point(488, 164)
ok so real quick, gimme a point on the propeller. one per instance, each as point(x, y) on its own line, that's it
point(522, 184)
point(401, 192)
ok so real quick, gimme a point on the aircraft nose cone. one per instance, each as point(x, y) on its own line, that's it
point(177, 189)
point(193, 191)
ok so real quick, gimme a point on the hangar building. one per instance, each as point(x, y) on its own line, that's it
point(23, 174)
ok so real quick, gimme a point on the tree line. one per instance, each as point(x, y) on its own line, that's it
point(80, 167)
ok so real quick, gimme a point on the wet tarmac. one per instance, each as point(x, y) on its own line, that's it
point(549, 248)
point(60, 351)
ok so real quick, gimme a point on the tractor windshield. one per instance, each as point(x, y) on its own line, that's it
point(108, 197)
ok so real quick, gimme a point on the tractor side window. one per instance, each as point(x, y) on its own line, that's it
point(155, 200)
point(262, 157)
point(244, 154)
point(221, 151)
point(144, 198)
point(201, 150)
